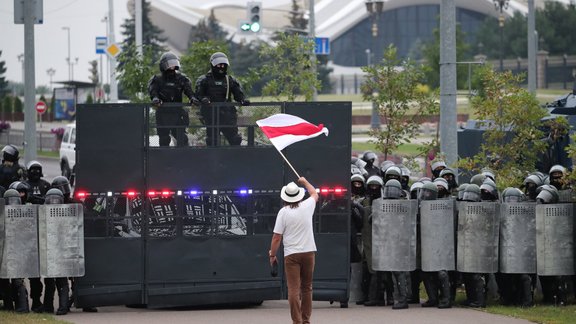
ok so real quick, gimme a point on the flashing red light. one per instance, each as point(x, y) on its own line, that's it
point(338, 190)
point(131, 193)
point(151, 193)
point(81, 194)
point(165, 193)
point(324, 190)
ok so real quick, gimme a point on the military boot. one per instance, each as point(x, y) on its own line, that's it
point(400, 289)
point(374, 290)
point(63, 290)
point(22, 305)
point(49, 289)
point(6, 294)
point(414, 284)
point(431, 289)
point(479, 284)
point(527, 292)
point(35, 294)
point(445, 290)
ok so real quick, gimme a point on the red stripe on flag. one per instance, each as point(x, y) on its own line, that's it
point(305, 129)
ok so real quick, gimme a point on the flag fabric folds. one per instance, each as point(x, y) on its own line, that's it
point(284, 129)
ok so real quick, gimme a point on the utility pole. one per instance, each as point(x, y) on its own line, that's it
point(448, 120)
point(113, 82)
point(29, 83)
point(69, 58)
point(531, 47)
point(312, 35)
point(138, 25)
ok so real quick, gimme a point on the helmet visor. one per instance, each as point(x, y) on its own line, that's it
point(392, 193)
point(471, 196)
point(54, 200)
point(220, 60)
point(426, 194)
point(171, 64)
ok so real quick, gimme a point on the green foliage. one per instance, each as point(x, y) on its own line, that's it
point(289, 69)
point(197, 61)
point(7, 105)
point(207, 29)
point(151, 34)
point(513, 139)
point(431, 53)
point(393, 86)
point(18, 105)
point(89, 99)
point(135, 72)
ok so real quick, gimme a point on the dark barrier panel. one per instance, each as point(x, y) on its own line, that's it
point(109, 146)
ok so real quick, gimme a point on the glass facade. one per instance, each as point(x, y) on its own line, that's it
point(408, 28)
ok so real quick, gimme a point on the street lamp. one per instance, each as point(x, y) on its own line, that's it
point(50, 73)
point(501, 5)
point(374, 8)
point(69, 58)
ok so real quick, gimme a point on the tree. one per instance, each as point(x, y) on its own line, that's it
point(135, 72)
point(431, 53)
point(513, 139)
point(197, 61)
point(7, 106)
point(18, 105)
point(393, 85)
point(289, 69)
point(207, 29)
point(151, 34)
point(3, 82)
point(94, 75)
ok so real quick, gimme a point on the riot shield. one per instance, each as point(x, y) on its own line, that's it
point(437, 235)
point(477, 250)
point(555, 239)
point(20, 257)
point(394, 235)
point(2, 233)
point(565, 196)
point(61, 238)
point(518, 237)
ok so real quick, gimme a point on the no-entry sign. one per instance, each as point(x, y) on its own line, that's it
point(41, 107)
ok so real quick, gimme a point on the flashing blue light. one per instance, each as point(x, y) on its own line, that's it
point(193, 192)
point(243, 191)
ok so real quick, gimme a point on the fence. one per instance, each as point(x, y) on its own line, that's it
point(552, 72)
point(45, 141)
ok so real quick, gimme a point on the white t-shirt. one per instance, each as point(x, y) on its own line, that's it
point(295, 226)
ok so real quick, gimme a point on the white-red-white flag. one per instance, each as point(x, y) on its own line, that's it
point(284, 129)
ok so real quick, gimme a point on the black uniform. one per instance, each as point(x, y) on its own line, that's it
point(168, 87)
point(212, 88)
point(10, 172)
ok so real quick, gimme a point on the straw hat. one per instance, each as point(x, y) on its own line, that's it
point(291, 193)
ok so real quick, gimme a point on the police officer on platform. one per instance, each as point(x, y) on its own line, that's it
point(167, 87)
point(218, 86)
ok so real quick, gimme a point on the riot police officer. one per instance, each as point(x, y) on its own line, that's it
point(400, 279)
point(10, 169)
point(15, 293)
point(358, 191)
point(55, 196)
point(437, 284)
point(371, 160)
point(437, 167)
point(167, 87)
point(218, 86)
point(448, 175)
point(38, 186)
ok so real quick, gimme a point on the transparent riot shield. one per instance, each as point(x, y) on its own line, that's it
point(437, 235)
point(61, 238)
point(477, 250)
point(555, 239)
point(394, 235)
point(20, 257)
point(518, 237)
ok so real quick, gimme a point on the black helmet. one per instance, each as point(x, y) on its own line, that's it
point(219, 58)
point(53, 197)
point(23, 188)
point(370, 158)
point(12, 197)
point(10, 153)
point(62, 183)
point(34, 169)
point(169, 60)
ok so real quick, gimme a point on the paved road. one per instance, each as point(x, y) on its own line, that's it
point(278, 312)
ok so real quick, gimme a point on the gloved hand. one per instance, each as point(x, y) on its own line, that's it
point(156, 102)
point(194, 101)
point(205, 101)
point(245, 102)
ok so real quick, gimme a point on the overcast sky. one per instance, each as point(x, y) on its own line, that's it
point(84, 17)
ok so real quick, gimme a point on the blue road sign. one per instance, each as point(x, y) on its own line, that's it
point(322, 46)
point(101, 44)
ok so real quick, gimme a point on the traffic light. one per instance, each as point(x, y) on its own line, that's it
point(254, 14)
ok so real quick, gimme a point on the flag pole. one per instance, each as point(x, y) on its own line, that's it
point(285, 159)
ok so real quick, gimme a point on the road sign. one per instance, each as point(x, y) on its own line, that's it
point(41, 107)
point(113, 50)
point(322, 46)
point(101, 44)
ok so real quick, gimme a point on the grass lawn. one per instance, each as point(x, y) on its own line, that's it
point(403, 150)
point(539, 314)
point(30, 318)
